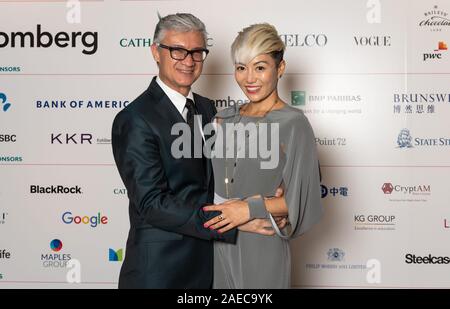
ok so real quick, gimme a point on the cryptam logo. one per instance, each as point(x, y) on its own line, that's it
point(5, 105)
point(298, 98)
point(115, 256)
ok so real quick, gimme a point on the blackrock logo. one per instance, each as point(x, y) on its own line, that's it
point(81, 104)
point(335, 255)
point(373, 41)
point(5, 105)
point(115, 256)
point(305, 40)
point(435, 20)
point(8, 138)
point(4, 255)
point(374, 222)
point(92, 221)
point(55, 189)
point(45, 39)
point(437, 54)
point(3, 216)
point(56, 259)
point(427, 259)
point(405, 141)
point(223, 103)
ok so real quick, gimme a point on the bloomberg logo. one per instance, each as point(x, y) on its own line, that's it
point(428, 259)
point(44, 39)
point(93, 221)
point(58, 189)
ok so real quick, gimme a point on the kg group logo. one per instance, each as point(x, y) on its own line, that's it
point(115, 256)
point(93, 221)
point(375, 222)
point(5, 104)
point(45, 39)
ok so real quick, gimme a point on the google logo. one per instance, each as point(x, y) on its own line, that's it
point(93, 221)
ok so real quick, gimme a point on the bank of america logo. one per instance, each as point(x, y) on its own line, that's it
point(115, 256)
point(298, 98)
point(404, 139)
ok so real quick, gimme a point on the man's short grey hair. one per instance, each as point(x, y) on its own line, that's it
point(180, 22)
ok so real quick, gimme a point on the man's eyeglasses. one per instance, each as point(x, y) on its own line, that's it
point(179, 53)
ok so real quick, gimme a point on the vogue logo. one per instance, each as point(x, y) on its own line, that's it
point(44, 39)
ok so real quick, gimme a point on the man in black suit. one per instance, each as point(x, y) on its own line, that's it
point(168, 246)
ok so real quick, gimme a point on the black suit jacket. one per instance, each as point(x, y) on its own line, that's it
point(167, 246)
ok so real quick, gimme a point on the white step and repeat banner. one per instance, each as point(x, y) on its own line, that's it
point(372, 76)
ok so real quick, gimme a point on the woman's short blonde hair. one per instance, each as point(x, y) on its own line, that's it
point(256, 40)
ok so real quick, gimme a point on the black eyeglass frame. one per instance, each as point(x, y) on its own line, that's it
point(187, 52)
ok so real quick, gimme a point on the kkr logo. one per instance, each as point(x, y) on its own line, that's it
point(76, 138)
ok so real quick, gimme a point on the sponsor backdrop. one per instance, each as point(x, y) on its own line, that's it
point(371, 76)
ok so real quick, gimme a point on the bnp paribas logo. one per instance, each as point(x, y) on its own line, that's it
point(404, 139)
point(115, 256)
point(298, 98)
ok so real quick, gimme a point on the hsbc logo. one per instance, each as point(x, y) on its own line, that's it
point(68, 138)
point(7, 138)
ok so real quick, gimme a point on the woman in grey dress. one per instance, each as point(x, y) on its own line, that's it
point(261, 146)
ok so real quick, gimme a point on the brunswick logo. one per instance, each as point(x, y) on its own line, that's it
point(404, 139)
point(115, 256)
point(298, 98)
point(5, 105)
point(335, 254)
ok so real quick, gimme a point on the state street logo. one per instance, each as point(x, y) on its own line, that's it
point(5, 105)
point(404, 139)
point(335, 254)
